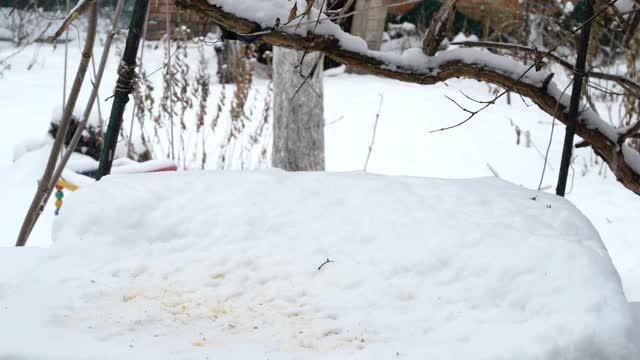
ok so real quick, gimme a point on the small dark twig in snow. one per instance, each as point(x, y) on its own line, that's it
point(325, 263)
point(334, 121)
point(493, 171)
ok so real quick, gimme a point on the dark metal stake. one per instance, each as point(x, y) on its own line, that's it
point(124, 86)
point(578, 77)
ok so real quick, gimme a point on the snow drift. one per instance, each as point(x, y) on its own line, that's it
point(227, 266)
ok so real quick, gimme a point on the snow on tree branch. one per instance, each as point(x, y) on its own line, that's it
point(623, 81)
point(260, 18)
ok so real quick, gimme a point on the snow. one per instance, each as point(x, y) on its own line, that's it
point(568, 7)
point(632, 158)
point(110, 290)
point(403, 144)
point(141, 267)
point(625, 6)
point(463, 37)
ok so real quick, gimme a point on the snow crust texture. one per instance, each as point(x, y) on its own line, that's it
point(227, 266)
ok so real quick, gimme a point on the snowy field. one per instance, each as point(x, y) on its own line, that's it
point(419, 268)
point(584, 313)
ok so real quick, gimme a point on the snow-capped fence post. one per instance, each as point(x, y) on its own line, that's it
point(578, 77)
point(124, 86)
point(44, 188)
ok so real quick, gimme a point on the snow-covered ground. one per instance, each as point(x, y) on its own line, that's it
point(229, 265)
point(486, 146)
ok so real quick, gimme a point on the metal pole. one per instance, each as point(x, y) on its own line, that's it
point(579, 72)
point(124, 86)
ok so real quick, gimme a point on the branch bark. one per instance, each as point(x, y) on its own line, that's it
point(599, 141)
point(440, 25)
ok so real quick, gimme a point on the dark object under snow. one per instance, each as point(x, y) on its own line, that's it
point(90, 142)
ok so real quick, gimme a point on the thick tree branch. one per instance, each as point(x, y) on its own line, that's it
point(597, 138)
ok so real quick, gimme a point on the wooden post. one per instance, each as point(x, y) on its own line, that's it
point(369, 22)
point(298, 110)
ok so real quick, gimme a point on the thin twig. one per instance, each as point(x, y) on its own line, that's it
point(168, 24)
point(133, 111)
point(493, 171)
point(534, 65)
point(553, 125)
point(375, 129)
point(325, 263)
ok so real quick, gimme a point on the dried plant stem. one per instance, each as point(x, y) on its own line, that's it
point(133, 112)
point(37, 204)
point(66, 57)
point(168, 23)
point(373, 137)
point(92, 99)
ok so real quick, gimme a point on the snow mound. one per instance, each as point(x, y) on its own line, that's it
point(234, 265)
